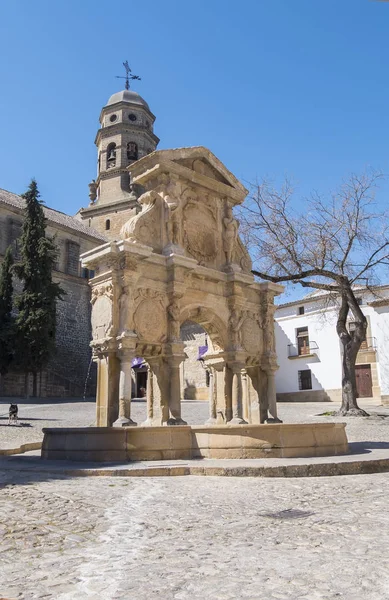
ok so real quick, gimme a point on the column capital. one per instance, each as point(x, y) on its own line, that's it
point(126, 342)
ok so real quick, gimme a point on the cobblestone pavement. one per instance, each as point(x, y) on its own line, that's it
point(182, 538)
point(78, 413)
point(188, 538)
point(36, 414)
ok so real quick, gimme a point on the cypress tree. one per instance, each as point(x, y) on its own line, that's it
point(36, 319)
point(7, 328)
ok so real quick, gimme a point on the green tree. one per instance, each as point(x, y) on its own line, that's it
point(36, 319)
point(7, 321)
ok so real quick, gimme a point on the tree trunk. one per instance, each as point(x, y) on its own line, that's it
point(34, 384)
point(351, 342)
point(349, 405)
point(26, 386)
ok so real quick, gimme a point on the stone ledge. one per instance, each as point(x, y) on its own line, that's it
point(21, 449)
point(316, 467)
point(106, 444)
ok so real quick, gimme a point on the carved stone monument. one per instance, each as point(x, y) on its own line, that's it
point(180, 258)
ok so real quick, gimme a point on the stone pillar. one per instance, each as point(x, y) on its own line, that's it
point(246, 412)
point(156, 392)
point(211, 397)
point(271, 396)
point(107, 387)
point(237, 415)
point(149, 397)
point(175, 390)
point(125, 386)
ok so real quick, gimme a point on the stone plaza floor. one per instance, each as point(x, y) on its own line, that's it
point(192, 538)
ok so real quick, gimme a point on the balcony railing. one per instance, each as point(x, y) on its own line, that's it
point(311, 349)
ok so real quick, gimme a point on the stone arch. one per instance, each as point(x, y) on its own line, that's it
point(213, 324)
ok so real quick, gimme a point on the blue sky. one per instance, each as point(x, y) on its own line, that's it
point(272, 87)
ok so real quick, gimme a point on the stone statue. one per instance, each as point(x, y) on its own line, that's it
point(92, 191)
point(174, 320)
point(235, 323)
point(230, 234)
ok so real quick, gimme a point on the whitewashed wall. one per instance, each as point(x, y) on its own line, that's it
point(320, 318)
point(326, 368)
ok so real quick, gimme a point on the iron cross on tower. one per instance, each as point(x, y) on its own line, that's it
point(128, 76)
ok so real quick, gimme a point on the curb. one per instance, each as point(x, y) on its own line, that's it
point(21, 450)
point(358, 467)
point(312, 470)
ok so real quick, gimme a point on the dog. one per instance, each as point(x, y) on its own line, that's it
point(13, 414)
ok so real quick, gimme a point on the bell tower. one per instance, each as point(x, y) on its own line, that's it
point(125, 135)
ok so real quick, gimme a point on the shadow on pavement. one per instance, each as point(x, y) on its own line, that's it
point(367, 447)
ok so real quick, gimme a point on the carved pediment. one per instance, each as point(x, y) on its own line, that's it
point(187, 208)
point(202, 166)
point(197, 165)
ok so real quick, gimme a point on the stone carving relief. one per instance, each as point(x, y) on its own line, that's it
point(174, 320)
point(234, 325)
point(201, 238)
point(101, 318)
point(145, 227)
point(251, 336)
point(230, 234)
point(150, 315)
point(102, 290)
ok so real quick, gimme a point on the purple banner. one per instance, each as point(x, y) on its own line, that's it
point(202, 351)
point(137, 362)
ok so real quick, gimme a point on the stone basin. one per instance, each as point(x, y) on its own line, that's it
point(181, 442)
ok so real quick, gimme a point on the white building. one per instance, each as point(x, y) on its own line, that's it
point(309, 350)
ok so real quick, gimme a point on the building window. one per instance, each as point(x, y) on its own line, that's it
point(302, 340)
point(87, 273)
point(72, 258)
point(305, 380)
point(132, 151)
point(111, 156)
point(301, 310)
point(107, 225)
point(13, 238)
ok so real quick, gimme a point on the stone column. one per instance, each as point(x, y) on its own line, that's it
point(107, 385)
point(237, 416)
point(271, 396)
point(125, 387)
point(149, 397)
point(156, 392)
point(211, 397)
point(246, 412)
point(175, 390)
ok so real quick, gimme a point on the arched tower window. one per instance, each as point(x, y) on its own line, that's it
point(107, 225)
point(111, 155)
point(132, 151)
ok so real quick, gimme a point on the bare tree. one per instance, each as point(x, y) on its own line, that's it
point(332, 245)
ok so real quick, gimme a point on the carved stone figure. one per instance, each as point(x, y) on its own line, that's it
point(92, 191)
point(174, 320)
point(173, 224)
point(235, 323)
point(230, 234)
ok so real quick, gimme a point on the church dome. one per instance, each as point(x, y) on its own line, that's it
point(128, 96)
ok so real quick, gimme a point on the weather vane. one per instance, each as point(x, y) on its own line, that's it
point(128, 76)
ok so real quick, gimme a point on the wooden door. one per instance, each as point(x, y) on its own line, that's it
point(363, 380)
